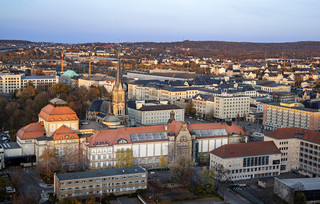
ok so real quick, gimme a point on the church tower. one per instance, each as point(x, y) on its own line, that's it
point(118, 95)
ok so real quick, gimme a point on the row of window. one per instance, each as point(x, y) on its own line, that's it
point(103, 191)
point(103, 179)
point(239, 171)
point(102, 185)
point(255, 161)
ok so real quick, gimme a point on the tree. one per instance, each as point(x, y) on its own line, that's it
point(190, 110)
point(163, 161)
point(207, 180)
point(49, 162)
point(238, 117)
point(244, 117)
point(221, 176)
point(39, 72)
point(182, 172)
point(124, 158)
point(60, 88)
point(3, 184)
point(299, 198)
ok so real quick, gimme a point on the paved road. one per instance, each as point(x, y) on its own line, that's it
point(30, 182)
point(232, 197)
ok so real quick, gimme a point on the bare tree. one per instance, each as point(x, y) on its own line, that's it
point(221, 176)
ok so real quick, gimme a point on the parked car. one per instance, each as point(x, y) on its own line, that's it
point(10, 189)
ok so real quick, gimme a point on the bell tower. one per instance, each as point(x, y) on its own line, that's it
point(118, 94)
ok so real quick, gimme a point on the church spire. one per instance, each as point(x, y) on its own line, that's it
point(118, 80)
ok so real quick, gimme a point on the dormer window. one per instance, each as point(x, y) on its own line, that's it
point(52, 119)
point(66, 136)
point(72, 137)
point(67, 118)
point(61, 138)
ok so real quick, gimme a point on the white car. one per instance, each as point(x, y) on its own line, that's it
point(10, 189)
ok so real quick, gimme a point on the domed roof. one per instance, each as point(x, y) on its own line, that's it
point(111, 118)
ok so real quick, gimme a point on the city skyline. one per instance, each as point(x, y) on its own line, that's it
point(160, 21)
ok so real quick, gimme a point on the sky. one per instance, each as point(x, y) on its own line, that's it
point(81, 21)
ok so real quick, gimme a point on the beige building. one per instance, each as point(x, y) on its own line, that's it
point(152, 144)
point(204, 104)
point(289, 115)
point(276, 88)
point(58, 127)
point(229, 107)
point(146, 113)
point(100, 182)
point(247, 160)
point(139, 90)
point(300, 149)
point(9, 83)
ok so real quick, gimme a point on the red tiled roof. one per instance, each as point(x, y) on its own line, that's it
point(110, 80)
point(174, 127)
point(294, 132)
point(113, 135)
point(246, 149)
point(233, 128)
point(109, 137)
point(31, 131)
point(64, 133)
point(52, 113)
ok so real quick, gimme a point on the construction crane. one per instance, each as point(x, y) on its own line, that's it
point(62, 61)
point(89, 65)
point(171, 78)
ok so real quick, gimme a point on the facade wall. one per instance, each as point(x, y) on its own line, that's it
point(280, 116)
point(240, 168)
point(228, 108)
point(289, 152)
point(98, 186)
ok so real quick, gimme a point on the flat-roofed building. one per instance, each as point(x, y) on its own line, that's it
point(148, 113)
point(300, 149)
point(275, 88)
point(100, 182)
point(230, 107)
point(11, 82)
point(288, 188)
point(247, 160)
point(289, 115)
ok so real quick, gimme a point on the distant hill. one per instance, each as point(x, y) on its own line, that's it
point(20, 42)
point(242, 50)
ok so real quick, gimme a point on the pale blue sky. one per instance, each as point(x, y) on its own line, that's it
point(74, 21)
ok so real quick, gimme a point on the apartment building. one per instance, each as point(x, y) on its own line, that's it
point(100, 182)
point(280, 115)
point(229, 107)
point(145, 90)
point(247, 160)
point(204, 104)
point(46, 81)
point(148, 113)
point(11, 82)
point(300, 149)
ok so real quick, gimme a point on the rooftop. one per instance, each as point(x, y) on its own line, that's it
point(100, 173)
point(159, 107)
point(246, 149)
point(295, 108)
point(302, 184)
point(295, 132)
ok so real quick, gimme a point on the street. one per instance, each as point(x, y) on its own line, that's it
point(29, 183)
